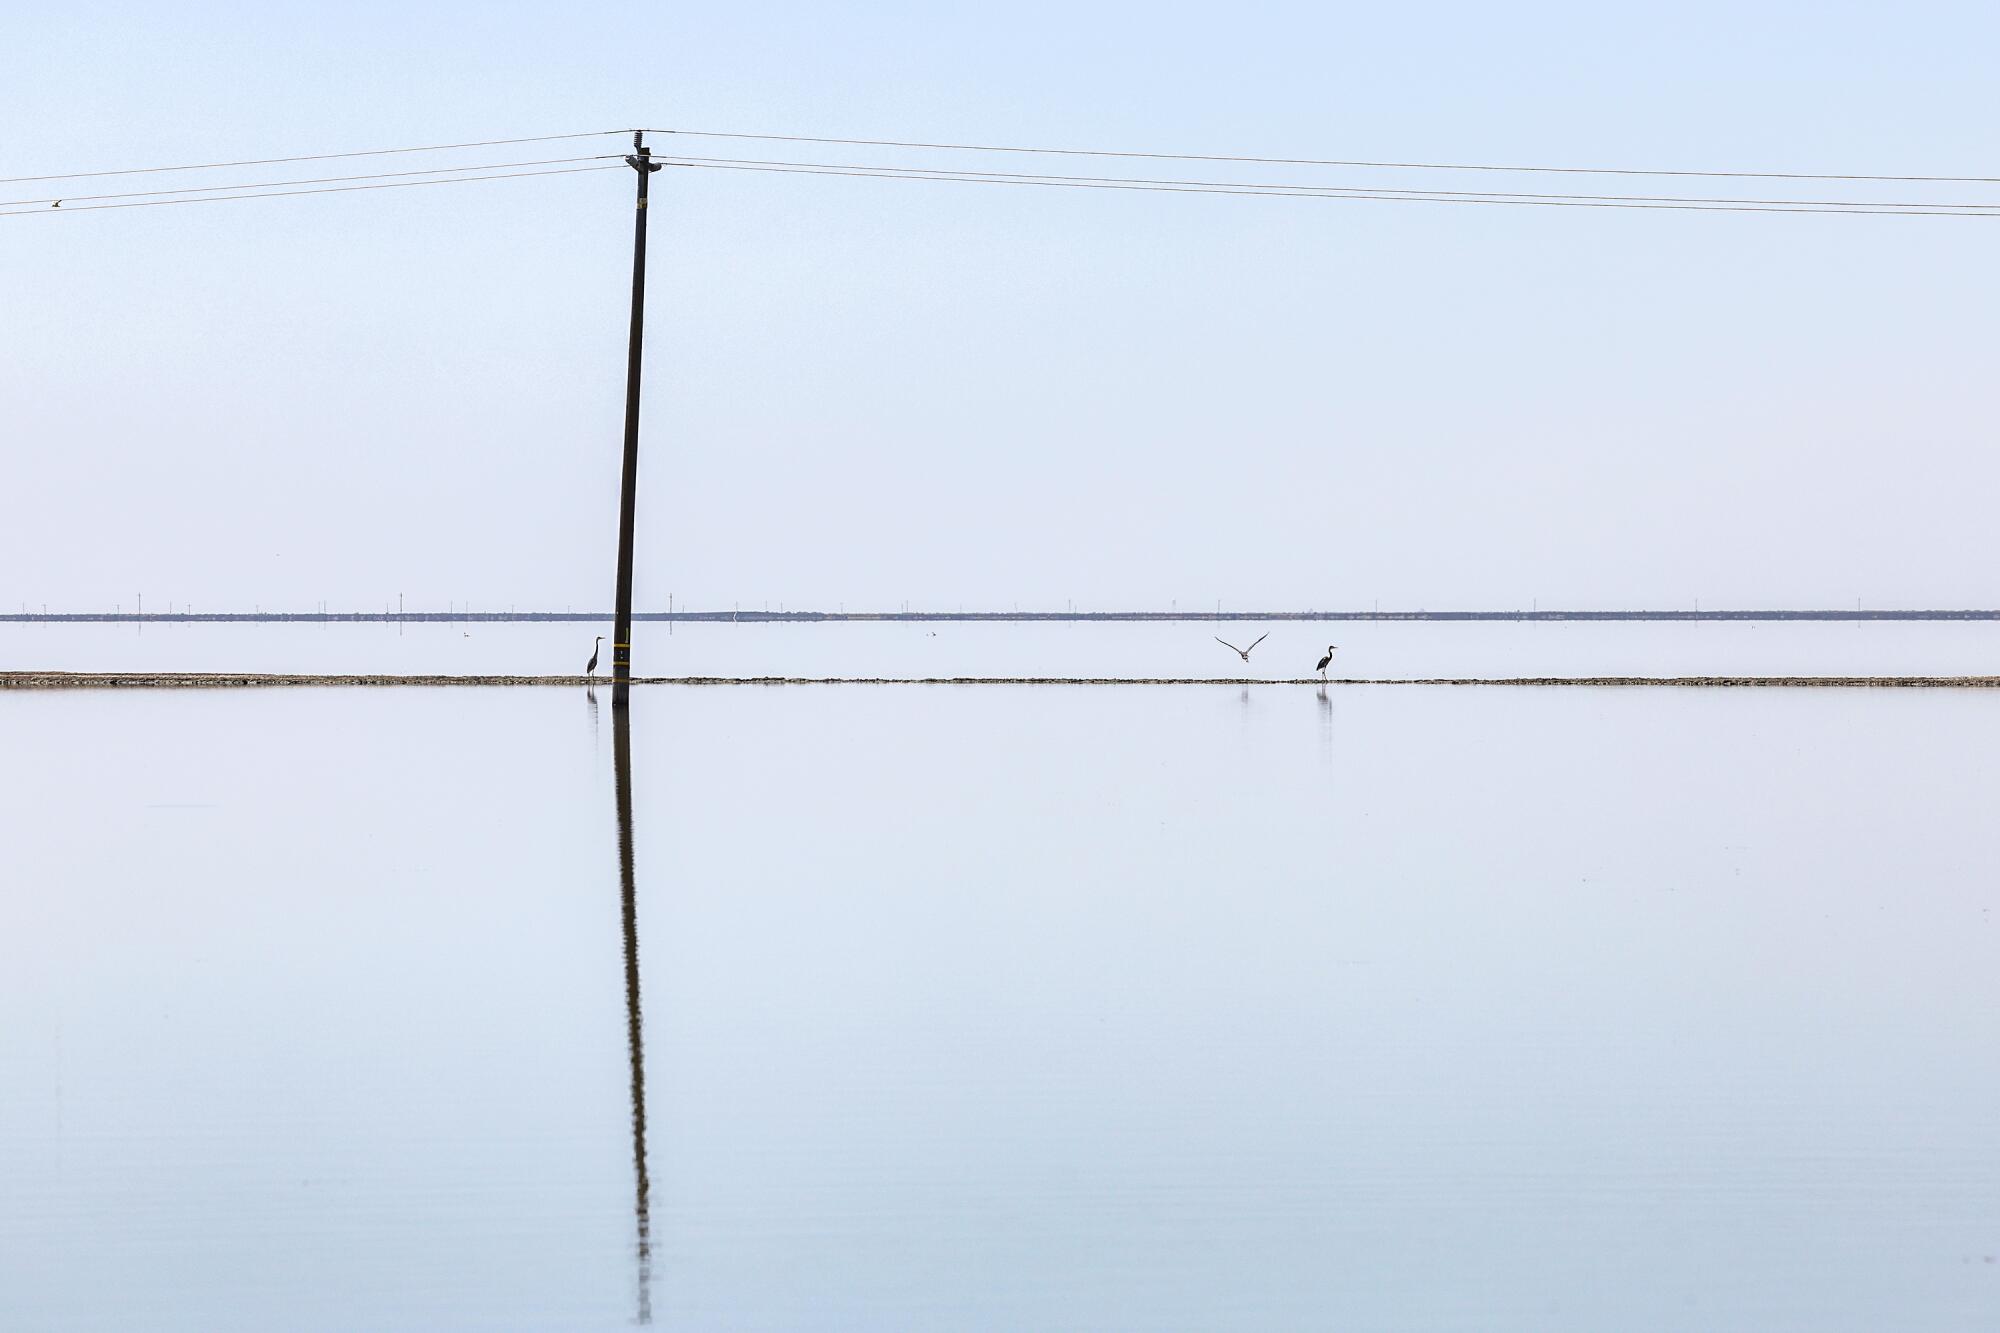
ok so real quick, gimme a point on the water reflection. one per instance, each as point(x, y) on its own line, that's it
point(1325, 727)
point(621, 750)
point(1558, 1074)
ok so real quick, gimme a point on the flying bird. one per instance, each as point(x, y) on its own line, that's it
point(1321, 668)
point(1244, 653)
point(590, 667)
point(56, 204)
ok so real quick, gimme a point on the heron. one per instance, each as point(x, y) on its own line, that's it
point(1321, 668)
point(590, 667)
point(1244, 653)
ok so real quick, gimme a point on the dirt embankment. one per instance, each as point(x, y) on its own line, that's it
point(82, 680)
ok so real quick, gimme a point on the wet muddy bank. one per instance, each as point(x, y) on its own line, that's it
point(81, 680)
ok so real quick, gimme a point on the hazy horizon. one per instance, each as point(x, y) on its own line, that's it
point(1246, 611)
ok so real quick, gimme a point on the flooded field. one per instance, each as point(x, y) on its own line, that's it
point(1072, 1008)
point(948, 648)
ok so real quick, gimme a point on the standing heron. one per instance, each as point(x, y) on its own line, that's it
point(1244, 653)
point(1321, 668)
point(590, 667)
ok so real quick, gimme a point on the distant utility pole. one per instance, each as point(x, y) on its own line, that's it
point(621, 631)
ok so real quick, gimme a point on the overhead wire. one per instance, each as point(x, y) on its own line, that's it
point(1409, 194)
point(968, 175)
point(310, 157)
point(323, 189)
point(312, 180)
point(1857, 208)
point(1326, 161)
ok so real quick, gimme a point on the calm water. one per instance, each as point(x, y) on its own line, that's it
point(1037, 649)
point(1003, 1007)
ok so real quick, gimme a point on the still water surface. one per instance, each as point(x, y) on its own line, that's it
point(1187, 648)
point(1000, 1008)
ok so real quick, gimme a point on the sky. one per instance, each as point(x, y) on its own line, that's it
point(863, 393)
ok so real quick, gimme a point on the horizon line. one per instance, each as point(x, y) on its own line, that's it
point(737, 616)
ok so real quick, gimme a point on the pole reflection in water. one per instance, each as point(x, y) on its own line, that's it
point(621, 750)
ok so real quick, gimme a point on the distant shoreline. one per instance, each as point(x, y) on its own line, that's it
point(87, 680)
point(814, 617)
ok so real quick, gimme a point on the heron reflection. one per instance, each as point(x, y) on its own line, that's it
point(1325, 725)
point(635, 1040)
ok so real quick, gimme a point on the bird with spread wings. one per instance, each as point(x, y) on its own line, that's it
point(1244, 653)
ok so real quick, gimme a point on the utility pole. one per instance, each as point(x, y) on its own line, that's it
point(621, 632)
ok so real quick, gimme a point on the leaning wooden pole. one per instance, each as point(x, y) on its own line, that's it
point(621, 635)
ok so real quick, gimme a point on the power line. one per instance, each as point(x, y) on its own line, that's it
point(382, 181)
point(1329, 162)
point(1375, 193)
point(1856, 209)
point(1408, 194)
point(324, 189)
point(310, 157)
point(314, 180)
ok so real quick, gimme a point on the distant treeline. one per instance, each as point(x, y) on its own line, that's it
point(761, 617)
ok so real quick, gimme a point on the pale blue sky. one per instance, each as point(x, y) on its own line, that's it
point(872, 391)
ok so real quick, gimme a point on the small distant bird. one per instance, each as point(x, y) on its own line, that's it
point(1244, 653)
point(56, 204)
point(590, 667)
point(1321, 668)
